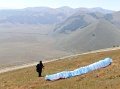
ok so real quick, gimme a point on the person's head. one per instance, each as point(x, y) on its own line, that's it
point(40, 61)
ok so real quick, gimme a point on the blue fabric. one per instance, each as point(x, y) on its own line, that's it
point(79, 71)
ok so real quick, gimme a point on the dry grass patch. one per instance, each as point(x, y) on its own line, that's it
point(105, 78)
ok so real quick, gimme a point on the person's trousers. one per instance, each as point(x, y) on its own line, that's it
point(39, 73)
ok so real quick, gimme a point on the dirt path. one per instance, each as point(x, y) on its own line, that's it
point(33, 64)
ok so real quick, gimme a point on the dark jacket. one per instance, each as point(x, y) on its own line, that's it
point(39, 67)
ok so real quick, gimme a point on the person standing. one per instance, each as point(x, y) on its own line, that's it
point(39, 68)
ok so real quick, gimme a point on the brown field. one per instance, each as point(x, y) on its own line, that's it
point(21, 44)
point(104, 78)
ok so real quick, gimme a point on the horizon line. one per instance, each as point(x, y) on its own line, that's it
point(20, 8)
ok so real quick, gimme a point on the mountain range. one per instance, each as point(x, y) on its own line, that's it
point(42, 15)
point(43, 32)
point(87, 31)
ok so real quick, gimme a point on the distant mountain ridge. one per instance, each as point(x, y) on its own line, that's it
point(82, 19)
point(42, 15)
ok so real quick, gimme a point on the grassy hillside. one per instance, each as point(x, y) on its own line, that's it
point(72, 23)
point(105, 78)
point(98, 35)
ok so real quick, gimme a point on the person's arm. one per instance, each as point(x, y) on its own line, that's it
point(42, 66)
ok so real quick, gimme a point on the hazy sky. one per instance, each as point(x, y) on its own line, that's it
point(18, 4)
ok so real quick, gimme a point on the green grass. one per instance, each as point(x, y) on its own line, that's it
point(104, 78)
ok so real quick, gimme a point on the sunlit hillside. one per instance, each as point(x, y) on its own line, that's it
point(104, 78)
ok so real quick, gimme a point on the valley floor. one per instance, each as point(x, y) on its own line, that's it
point(6, 69)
